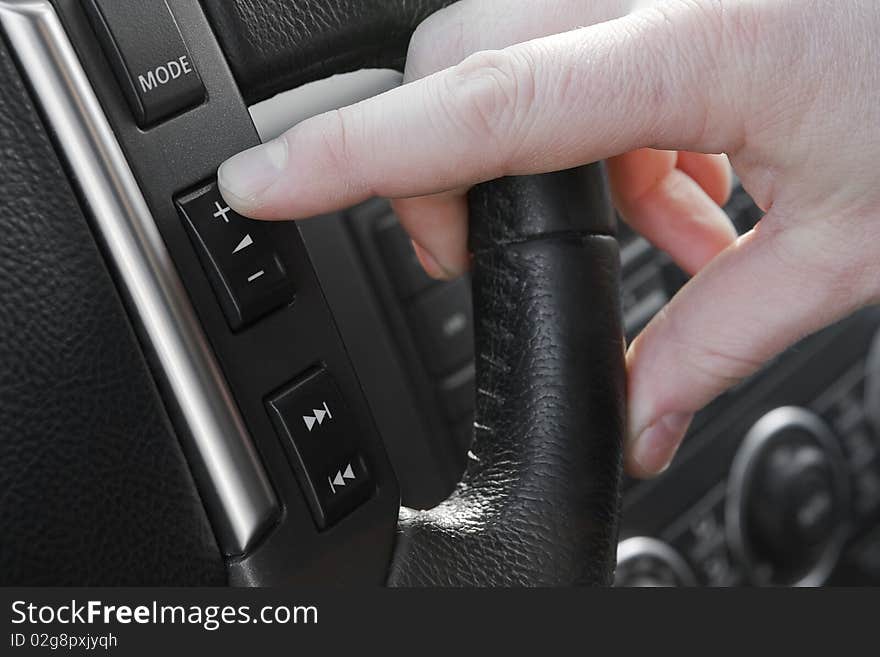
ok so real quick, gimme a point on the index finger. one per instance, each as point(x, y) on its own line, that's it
point(544, 105)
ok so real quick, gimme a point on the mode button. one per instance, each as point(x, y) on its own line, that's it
point(148, 55)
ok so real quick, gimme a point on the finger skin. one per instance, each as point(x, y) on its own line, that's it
point(444, 40)
point(711, 171)
point(669, 208)
point(469, 26)
point(812, 259)
point(429, 263)
point(746, 306)
point(438, 225)
point(540, 106)
point(690, 229)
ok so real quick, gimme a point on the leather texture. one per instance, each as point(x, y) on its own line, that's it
point(539, 501)
point(94, 489)
point(274, 45)
point(538, 504)
point(532, 207)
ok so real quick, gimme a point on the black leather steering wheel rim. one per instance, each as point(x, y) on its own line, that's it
point(538, 503)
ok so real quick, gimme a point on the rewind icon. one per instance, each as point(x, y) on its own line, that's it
point(318, 417)
point(341, 476)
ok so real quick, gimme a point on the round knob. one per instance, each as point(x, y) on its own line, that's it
point(648, 562)
point(787, 499)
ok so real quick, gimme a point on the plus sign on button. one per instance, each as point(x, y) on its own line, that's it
point(247, 274)
point(222, 211)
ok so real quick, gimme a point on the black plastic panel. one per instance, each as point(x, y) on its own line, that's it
point(323, 442)
point(238, 256)
point(439, 377)
point(826, 374)
point(427, 462)
point(173, 157)
point(149, 57)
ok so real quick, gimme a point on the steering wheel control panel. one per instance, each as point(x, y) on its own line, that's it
point(149, 57)
point(328, 497)
point(322, 445)
point(244, 268)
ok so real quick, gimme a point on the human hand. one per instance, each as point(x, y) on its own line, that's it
point(786, 88)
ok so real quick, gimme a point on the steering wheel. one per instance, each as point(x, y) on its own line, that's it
point(538, 503)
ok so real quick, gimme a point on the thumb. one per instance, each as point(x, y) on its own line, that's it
point(771, 288)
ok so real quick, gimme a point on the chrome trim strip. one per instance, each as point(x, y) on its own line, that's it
point(238, 494)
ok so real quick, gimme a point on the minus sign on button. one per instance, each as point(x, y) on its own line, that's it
point(254, 277)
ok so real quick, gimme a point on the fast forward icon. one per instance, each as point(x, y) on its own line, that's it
point(318, 418)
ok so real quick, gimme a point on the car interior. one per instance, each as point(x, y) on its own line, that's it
point(190, 397)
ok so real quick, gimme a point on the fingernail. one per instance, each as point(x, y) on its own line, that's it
point(654, 449)
point(243, 177)
point(429, 263)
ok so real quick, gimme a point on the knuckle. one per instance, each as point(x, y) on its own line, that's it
point(684, 47)
point(651, 76)
point(491, 91)
point(706, 20)
point(340, 143)
point(336, 139)
point(722, 367)
point(438, 42)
